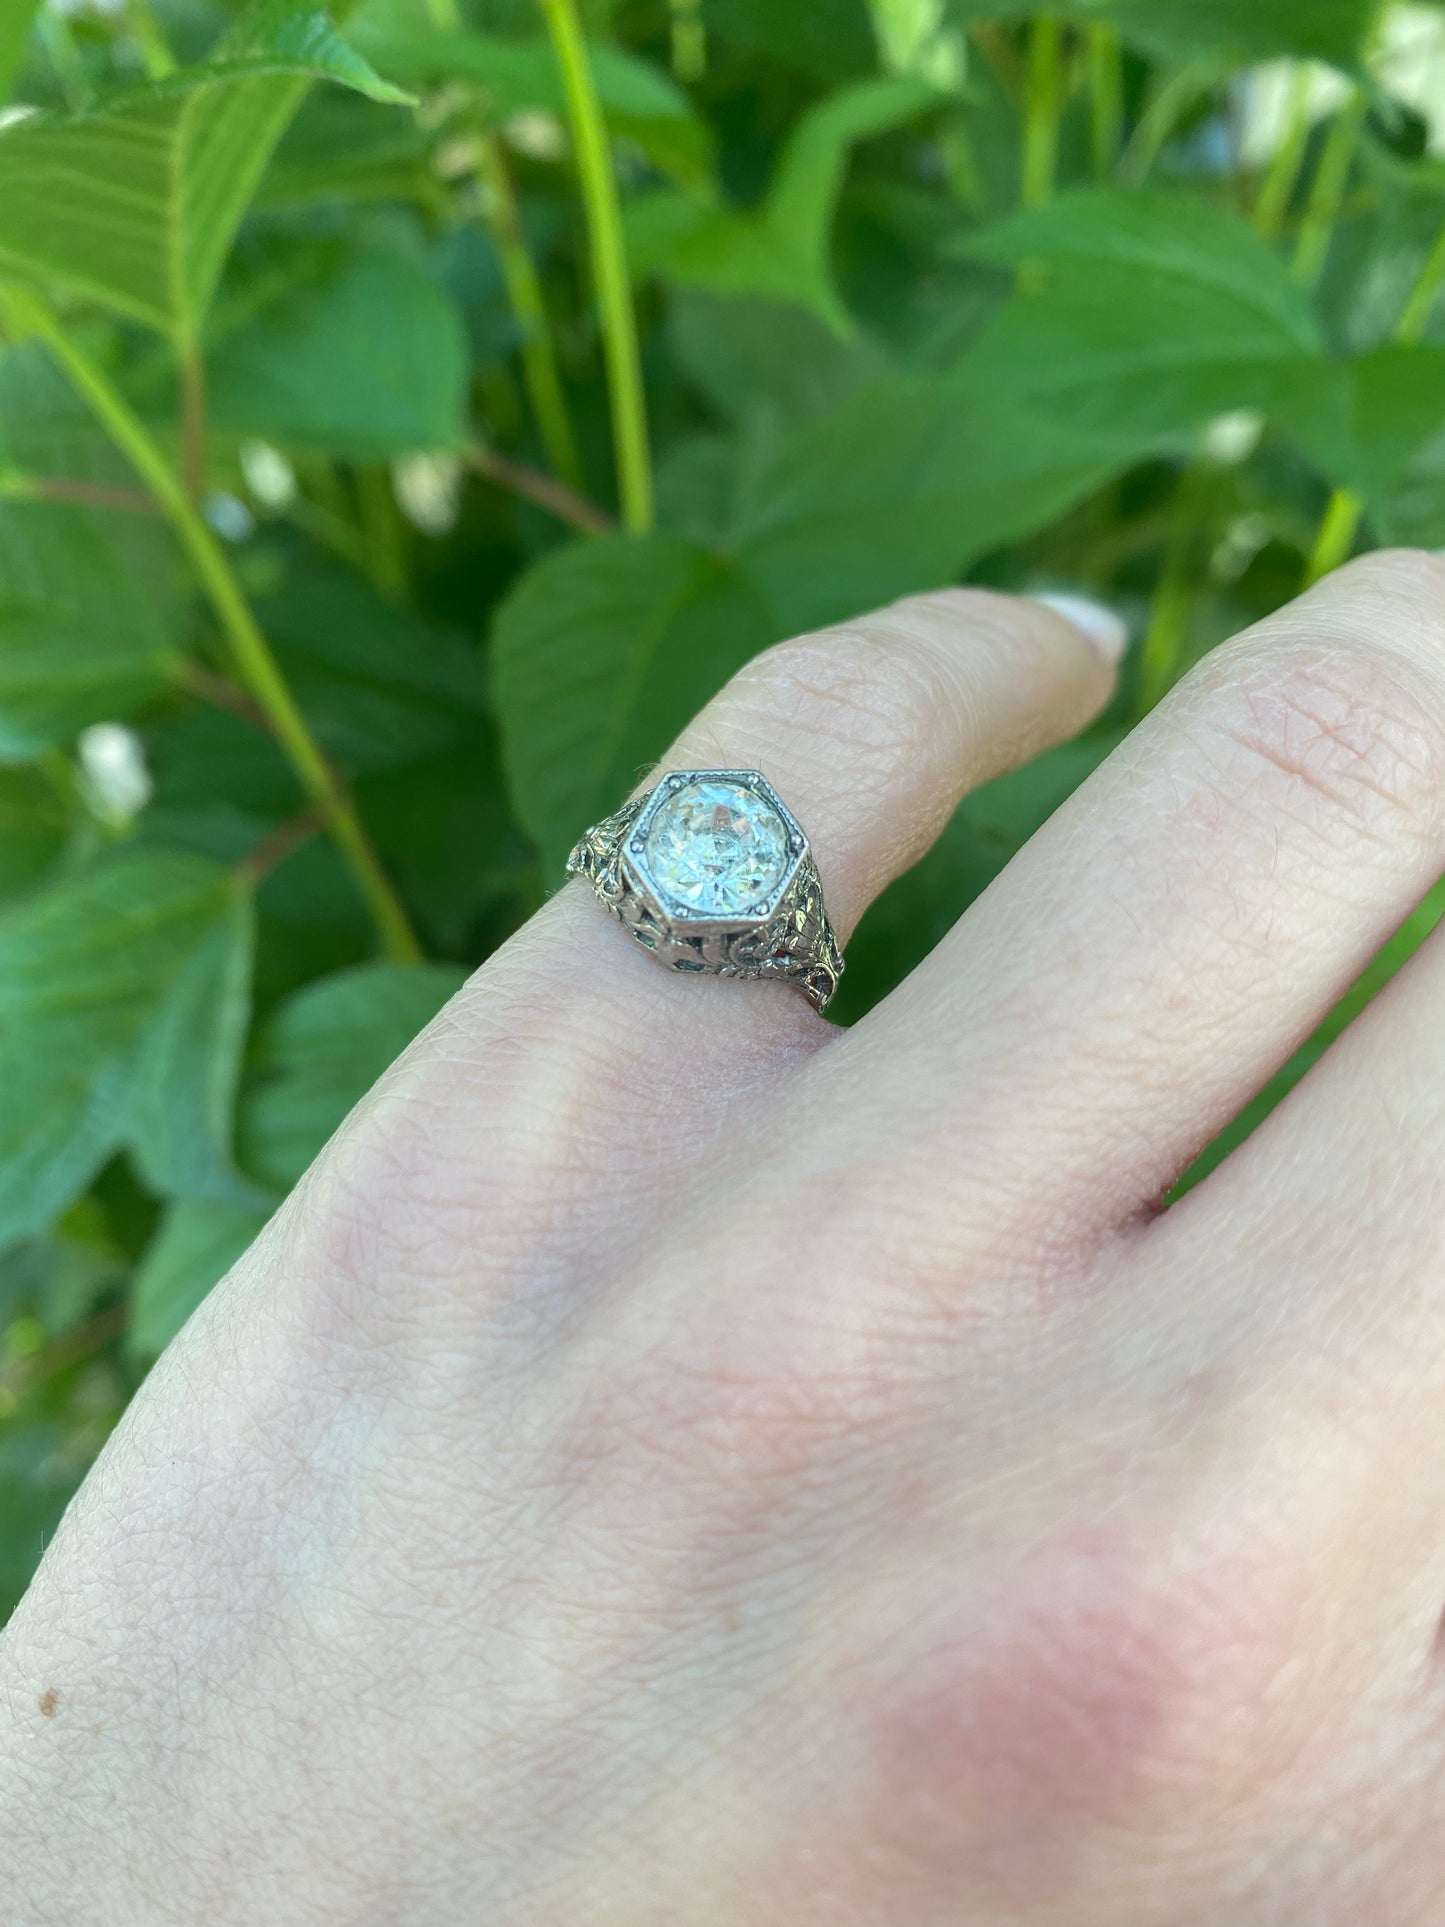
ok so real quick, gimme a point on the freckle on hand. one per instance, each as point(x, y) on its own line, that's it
point(48, 1702)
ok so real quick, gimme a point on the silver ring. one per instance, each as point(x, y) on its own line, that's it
point(711, 872)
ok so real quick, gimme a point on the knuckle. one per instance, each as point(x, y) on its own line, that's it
point(1338, 724)
point(449, 1176)
point(1103, 1692)
point(863, 687)
point(1410, 580)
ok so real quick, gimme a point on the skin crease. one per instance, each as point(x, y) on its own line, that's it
point(673, 1463)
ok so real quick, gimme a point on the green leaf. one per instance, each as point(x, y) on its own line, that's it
point(320, 1053)
point(803, 192)
point(222, 789)
point(47, 430)
point(765, 367)
point(135, 204)
point(35, 827)
point(80, 641)
point(293, 37)
point(56, 1281)
point(699, 484)
point(351, 351)
point(195, 1245)
point(89, 615)
point(58, 669)
point(379, 684)
point(1240, 31)
point(1159, 235)
point(902, 488)
point(1142, 314)
point(515, 74)
point(1372, 421)
point(1414, 512)
point(602, 653)
point(1225, 32)
point(782, 249)
point(208, 763)
point(116, 984)
point(442, 828)
point(828, 41)
point(767, 361)
point(428, 785)
point(338, 149)
point(182, 1079)
point(38, 1475)
point(520, 75)
point(16, 19)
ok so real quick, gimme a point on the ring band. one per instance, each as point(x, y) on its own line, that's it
point(712, 873)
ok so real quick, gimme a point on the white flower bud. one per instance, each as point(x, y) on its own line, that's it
point(1230, 438)
point(428, 489)
point(1409, 62)
point(113, 766)
point(1264, 103)
point(537, 134)
point(269, 476)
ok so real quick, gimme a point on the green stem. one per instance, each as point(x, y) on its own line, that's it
point(274, 850)
point(609, 266)
point(1165, 635)
point(147, 33)
point(1043, 101)
point(16, 486)
point(64, 57)
point(1278, 185)
point(255, 665)
point(545, 490)
point(1322, 208)
point(1161, 115)
point(1346, 507)
point(689, 40)
point(1106, 98)
point(1338, 527)
point(1416, 311)
point(193, 420)
point(529, 310)
point(220, 690)
point(524, 287)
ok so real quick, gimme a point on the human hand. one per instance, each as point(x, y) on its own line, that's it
point(675, 1463)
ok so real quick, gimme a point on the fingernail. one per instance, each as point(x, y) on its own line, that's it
point(1098, 622)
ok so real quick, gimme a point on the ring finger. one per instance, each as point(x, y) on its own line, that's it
point(869, 733)
point(572, 1050)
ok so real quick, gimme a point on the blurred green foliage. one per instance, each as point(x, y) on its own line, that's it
point(408, 420)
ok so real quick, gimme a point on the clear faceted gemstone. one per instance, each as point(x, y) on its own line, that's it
point(716, 849)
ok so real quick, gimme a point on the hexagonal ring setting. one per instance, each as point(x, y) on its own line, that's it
point(712, 874)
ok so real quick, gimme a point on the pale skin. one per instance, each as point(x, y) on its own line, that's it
point(674, 1463)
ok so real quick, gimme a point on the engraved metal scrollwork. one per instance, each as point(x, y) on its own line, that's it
point(789, 939)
